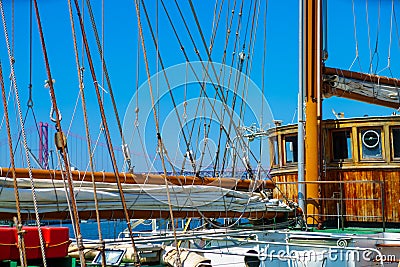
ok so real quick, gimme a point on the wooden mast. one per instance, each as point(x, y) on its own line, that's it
point(312, 69)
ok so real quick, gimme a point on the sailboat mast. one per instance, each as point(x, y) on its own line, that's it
point(300, 111)
point(312, 69)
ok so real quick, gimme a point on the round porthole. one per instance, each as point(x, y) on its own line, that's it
point(370, 139)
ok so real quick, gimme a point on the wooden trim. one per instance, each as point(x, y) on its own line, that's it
point(129, 178)
point(152, 214)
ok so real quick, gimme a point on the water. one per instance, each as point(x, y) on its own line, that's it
point(111, 229)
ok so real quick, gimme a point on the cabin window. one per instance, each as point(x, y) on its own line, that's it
point(275, 150)
point(396, 142)
point(371, 144)
point(341, 142)
point(291, 148)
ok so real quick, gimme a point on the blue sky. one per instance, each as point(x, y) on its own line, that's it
point(120, 50)
point(120, 45)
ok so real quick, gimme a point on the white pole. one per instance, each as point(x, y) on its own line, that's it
point(300, 109)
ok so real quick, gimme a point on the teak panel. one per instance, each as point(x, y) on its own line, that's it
point(361, 191)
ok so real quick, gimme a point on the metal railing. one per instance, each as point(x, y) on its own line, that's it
point(339, 197)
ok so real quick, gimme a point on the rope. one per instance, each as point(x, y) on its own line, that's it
point(169, 89)
point(59, 129)
point(33, 247)
point(228, 34)
point(106, 131)
point(86, 121)
point(74, 111)
point(179, 42)
point(224, 157)
point(30, 102)
point(249, 63)
point(11, 60)
point(375, 53)
point(17, 203)
point(159, 140)
point(397, 27)
point(263, 73)
point(67, 196)
point(105, 72)
point(356, 58)
point(12, 27)
point(390, 42)
point(236, 88)
point(213, 36)
point(217, 87)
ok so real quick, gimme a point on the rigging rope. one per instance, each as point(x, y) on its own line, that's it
point(188, 149)
point(356, 58)
point(390, 42)
point(242, 57)
point(106, 131)
point(86, 122)
point(237, 37)
point(228, 34)
point(224, 102)
point(215, 24)
point(105, 72)
point(159, 139)
point(30, 102)
point(213, 36)
point(375, 52)
point(24, 138)
point(181, 49)
point(21, 243)
point(250, 53)
point(217, 86)
point(60, 136)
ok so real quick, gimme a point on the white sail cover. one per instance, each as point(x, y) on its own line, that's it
point(51, 197)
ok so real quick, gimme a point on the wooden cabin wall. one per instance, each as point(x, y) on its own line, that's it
point(361, 192)
point(286, 186)
point(373, 192)
point(392, 194)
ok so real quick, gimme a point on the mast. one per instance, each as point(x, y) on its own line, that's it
point(312, 69)
point(300, 113)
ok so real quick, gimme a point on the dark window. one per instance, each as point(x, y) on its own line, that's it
point(274, 143)
point(396, 142)
point(341, 141)
point(291, 148)
point(371, 144)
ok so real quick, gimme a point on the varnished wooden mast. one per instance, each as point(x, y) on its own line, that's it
point(312, 67)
